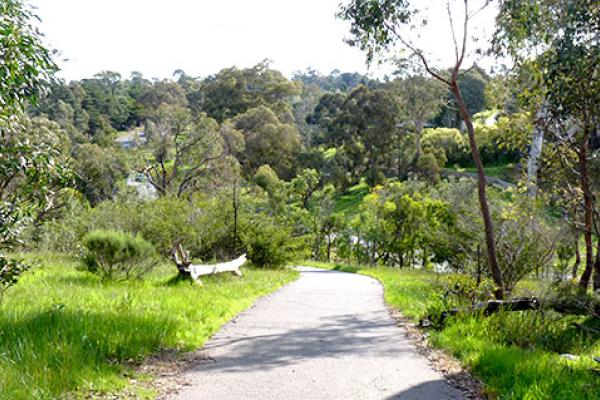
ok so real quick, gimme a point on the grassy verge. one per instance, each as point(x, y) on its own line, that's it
point(62, 330)
point(517, 355)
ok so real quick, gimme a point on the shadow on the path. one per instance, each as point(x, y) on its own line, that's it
point(375, 336)
point(430, 390)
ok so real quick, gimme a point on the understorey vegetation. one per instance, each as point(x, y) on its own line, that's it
point(470, 194)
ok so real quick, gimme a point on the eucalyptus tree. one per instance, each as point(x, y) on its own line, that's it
point(421, 99)
point(268, 140)
point(28, 171)
point(379, 26)
point(363, 127)
point(99, 170)
point(186, 150)
point(234, 91)
point(559, 44)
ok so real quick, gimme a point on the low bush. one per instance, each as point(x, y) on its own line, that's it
point(268, 244)
point(454, 144)
point(118, 255)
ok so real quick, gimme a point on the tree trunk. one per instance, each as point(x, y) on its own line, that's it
point(478, 265)
point(597, 267)
point(481, 186)
point(418, 131)
point(577, 259)
point(535, 151)
point(588, 219)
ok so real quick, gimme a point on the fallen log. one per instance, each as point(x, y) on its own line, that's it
point(193, 272)
point(486, 307)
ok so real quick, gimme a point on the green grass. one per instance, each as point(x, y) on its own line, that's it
point(66, 331)
point(516, 354)
point(504, 171)
point(349, 202)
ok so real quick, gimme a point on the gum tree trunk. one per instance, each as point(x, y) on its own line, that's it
point(577, 259)
point(588, 215)
point(481, 190)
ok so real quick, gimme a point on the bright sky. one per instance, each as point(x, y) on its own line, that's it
point(157, 37)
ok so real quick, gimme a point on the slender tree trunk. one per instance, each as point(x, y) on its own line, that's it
point(577, 259)
point(535, 151)
point(588, 216)
point(597, 267)
point(478, 265)
point(418, 131)
point(481, 186)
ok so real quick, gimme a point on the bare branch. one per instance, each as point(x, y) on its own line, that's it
point(452, 29)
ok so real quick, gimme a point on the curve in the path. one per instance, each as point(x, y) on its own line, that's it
point(326, 336)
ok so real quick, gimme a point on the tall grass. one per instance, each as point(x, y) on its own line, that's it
point(516, 354)
point(63, 330)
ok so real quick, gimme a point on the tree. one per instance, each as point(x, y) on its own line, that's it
point(186, 149)
point(420, 100)
point(106, 102)
point(364, 129)
point(376, 26)
point(567, 77)
point(335, 81)
point(151, 96)
point(268, 141)
point(473, 83)
point(234, 91)
point(98, 171)
point(28, 172)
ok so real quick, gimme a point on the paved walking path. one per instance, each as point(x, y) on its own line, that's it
point(327, 336)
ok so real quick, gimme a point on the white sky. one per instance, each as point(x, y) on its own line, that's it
point(156, 37)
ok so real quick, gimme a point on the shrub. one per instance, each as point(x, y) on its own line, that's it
point(267, 244)
point(525, 242)
point(453, 143)
point(118, 255)
point(461, 289)
point(203, 223)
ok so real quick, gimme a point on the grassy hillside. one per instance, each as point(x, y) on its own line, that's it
point(349, 202)
point(63, 330)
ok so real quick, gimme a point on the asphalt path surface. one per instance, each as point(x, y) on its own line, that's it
point(326, 336)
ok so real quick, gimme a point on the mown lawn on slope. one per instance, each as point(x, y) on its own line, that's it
point(66, 331)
